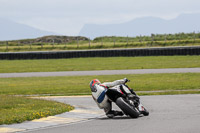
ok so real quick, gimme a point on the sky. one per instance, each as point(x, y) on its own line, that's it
point(67, 17)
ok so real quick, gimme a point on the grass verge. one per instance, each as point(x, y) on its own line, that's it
point(111, 63)
point(79, 85)
point(15, 109)
point(106, 42)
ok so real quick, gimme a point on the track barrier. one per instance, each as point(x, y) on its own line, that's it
point(157, 51)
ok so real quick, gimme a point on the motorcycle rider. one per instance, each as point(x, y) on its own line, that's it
point(99, 95)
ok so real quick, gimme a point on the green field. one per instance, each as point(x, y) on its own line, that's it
point(111, 63)
point(79, 85)
point(15, 109)
point(50, 43)
point(97, 45)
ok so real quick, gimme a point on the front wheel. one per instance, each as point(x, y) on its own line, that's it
point(126, 108)
point(145, 112)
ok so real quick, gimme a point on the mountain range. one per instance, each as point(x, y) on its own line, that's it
point(145, 26)
point(10, 30)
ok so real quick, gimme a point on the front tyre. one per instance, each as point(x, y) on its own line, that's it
point(145, 112)
point(126, 108)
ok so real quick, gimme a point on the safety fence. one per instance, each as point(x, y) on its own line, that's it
point(161, 51)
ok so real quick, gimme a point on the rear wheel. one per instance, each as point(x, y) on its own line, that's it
point(126, 108)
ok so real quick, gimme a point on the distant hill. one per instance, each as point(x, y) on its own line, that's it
point(50, 39)
point(55, 39)
point(10, 30)
point(144, 26)
point(60, 39)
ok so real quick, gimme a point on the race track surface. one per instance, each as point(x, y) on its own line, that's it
point(168, 114)
point(100, 72)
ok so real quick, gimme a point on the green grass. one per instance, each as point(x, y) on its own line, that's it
point(171, 92)
point(79, 85)
point(105, 42)
point(111, 63)
point(15, 109)
point(105, 45)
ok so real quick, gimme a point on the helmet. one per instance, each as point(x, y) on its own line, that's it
point(93, 83)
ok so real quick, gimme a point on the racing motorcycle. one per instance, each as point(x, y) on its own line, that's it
point(127, 100)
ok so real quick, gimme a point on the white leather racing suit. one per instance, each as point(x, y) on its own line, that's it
point(99, 94)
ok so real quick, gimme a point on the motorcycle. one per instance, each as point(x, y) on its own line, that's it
point(127, 100)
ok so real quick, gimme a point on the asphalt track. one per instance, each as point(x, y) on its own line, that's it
point(168, 114)
point(101, 72)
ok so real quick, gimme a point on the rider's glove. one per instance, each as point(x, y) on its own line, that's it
point(126, 80)
point(136, 97)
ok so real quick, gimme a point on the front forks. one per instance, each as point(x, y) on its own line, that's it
point(134, 101)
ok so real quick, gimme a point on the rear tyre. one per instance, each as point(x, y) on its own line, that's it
point(126, 108)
